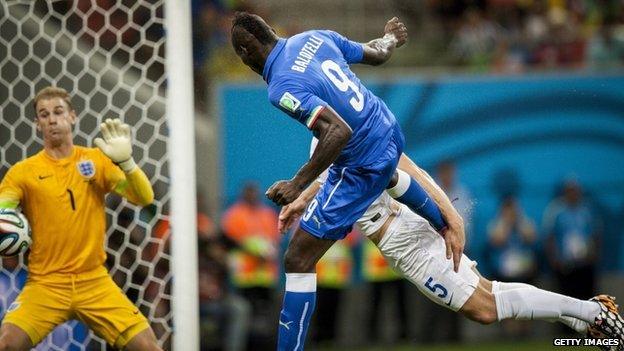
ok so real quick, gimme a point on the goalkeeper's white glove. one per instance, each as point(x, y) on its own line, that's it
point(117, 143)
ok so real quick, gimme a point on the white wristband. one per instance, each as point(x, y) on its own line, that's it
point(128, 165)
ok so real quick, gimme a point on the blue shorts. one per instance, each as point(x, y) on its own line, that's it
point(348, 192)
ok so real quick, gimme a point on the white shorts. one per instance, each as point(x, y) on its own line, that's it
point(415, 250)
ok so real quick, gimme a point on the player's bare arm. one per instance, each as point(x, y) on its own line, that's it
point(291, 212)
point(333, 135)
point(378, 51)
point(454, 235)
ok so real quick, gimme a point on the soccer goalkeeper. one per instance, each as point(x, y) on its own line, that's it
point(61, 191)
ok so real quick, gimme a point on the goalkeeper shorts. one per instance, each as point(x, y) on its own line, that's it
point(91, 297)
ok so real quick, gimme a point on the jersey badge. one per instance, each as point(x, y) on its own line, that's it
point(86, 168)
point(289, 102)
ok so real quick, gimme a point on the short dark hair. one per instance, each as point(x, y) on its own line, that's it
point(252, 24)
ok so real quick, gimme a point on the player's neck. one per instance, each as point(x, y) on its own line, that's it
point(60, 151)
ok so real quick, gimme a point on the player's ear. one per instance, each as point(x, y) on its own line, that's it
point(37, 125)
point(72, 116)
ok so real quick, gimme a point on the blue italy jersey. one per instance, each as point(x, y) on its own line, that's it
point(309, 72)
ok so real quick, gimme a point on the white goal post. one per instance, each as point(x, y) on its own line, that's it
point(185, 303)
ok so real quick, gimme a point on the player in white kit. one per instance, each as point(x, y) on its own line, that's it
point(417, 251)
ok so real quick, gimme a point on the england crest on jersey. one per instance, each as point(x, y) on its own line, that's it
point(86, 168)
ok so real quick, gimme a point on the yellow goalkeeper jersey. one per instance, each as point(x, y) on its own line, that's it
point(64, 203)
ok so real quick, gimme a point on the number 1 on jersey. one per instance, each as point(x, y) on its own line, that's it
point(71, 199)
point(343, 83)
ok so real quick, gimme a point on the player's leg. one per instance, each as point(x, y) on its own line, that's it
point(344, 197)
point(417, 252)
point(304, 251)
point(104, 308)
point(144, 340)
point(576, 324)
point(406, 190)
point(13, 337)
point(36, 311)
point(597, 317)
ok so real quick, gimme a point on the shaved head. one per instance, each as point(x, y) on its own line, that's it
point(252, 39)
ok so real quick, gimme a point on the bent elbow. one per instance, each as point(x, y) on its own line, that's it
point(149, 199)
point(344, 134)
point(146, 198)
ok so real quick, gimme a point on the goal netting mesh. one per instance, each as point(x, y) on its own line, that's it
point(109, 54)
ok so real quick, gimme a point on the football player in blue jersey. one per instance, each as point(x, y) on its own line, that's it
point(360, 142)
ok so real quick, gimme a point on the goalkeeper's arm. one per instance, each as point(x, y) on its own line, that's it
point(116, 143)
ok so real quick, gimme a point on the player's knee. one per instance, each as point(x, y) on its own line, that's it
point(143, 344)
point(7, 345)
point(297, 264)
point(484, 316)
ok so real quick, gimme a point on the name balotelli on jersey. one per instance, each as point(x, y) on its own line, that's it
point(306, 54)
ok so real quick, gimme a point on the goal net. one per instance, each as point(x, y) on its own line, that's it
point(110, 56)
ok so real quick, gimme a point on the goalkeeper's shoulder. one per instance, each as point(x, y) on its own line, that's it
point(21, 169)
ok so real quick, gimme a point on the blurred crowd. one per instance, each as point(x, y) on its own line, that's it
point(512, 36)
point(498, 35)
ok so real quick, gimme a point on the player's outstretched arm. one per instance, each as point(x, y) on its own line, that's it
point(454, 236)
point(116, 144)
point(333, 134)
point(378, 51)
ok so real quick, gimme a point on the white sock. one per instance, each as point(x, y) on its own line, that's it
point(534, 303)
point(576, 324)
point(301, 282)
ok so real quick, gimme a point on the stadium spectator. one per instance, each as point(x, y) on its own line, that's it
point(572, 231)
point(476, 39)
point(253, 227)
point(461, 197)
point(387, 288)
point(225, 316)
point(334, 273)
point(512, 243)
point(605, 49)
point(459, 194)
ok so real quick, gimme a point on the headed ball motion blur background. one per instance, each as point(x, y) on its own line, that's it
point(516, 107)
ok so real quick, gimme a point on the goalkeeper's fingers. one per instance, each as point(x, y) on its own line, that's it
point(100, 143)
point(112, 127)
point(124, 130)
point(106, 133)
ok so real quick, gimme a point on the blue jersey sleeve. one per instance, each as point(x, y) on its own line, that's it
point(352, 51)
point(297, 102)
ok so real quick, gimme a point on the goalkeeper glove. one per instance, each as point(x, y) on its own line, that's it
point(117, 143)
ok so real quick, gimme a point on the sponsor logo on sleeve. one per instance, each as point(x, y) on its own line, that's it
point(289, 102)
